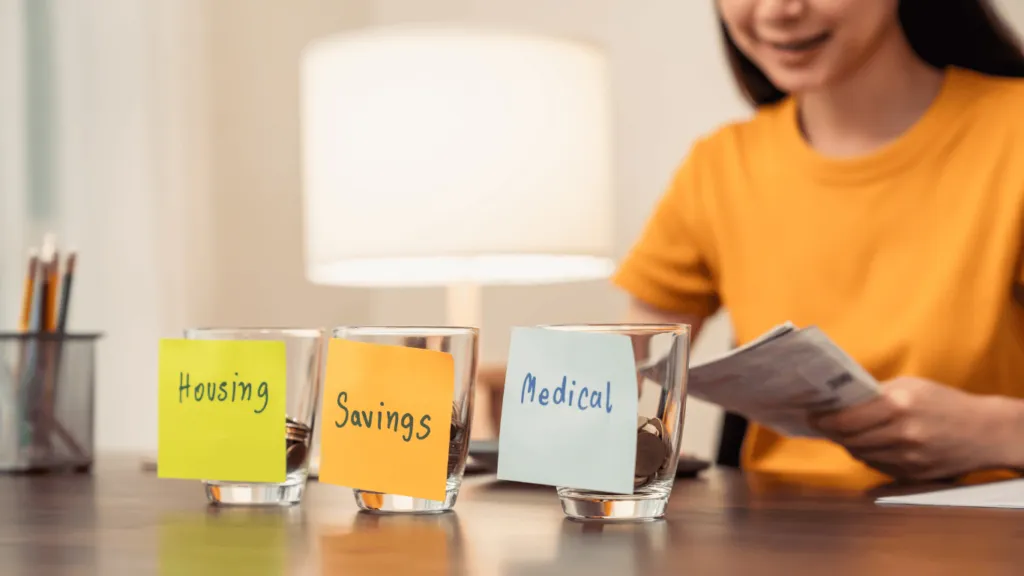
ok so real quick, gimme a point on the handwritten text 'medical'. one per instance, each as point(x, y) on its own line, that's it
point(581, 399)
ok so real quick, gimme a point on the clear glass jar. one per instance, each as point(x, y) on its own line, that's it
point(304, 353)
point(661, 353)
point(462, 344)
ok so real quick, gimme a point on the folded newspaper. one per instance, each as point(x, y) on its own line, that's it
point(783, 377)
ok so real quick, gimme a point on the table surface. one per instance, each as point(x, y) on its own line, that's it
point(121, 520)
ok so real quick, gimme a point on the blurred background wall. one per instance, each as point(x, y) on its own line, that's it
point(160, 138)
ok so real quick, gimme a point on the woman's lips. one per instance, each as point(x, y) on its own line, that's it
point(799, 45)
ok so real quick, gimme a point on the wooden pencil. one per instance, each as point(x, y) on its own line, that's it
point(53, 277)
point(25, 349)
point(30, 287)
point(42, 366)
point(50, 399)
point(25, 322)
point(47, 278)
point(65, 293)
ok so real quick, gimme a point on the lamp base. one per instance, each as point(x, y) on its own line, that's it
point(464, 307)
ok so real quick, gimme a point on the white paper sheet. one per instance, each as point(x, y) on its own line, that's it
point(1007, 494)
point(782, 378)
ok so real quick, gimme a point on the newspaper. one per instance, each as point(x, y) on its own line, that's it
point(1004, 494)
point(781, 378)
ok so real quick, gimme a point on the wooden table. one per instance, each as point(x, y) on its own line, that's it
point(121, 520)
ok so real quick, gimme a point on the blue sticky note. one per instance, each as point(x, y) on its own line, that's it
point(568, 416)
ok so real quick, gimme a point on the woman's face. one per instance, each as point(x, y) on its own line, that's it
point(806, 45)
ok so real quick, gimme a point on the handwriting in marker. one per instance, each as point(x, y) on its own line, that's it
point(384, 419)
point(581, 399)
point(234, 391)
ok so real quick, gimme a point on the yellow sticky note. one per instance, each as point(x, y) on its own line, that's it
point(387, 414)
point(221, 410)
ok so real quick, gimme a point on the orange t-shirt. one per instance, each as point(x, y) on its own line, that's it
point(908, 257)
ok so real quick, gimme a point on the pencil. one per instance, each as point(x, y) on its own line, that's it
point(65, 293)
point(48, 278)
point(45, 314)
point(40, 365)
point(25, 347)
point(53, 278)
point(30, 287)
point(53, 374)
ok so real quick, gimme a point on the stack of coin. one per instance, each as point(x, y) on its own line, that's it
point(296, 441)
point(456, 438)
point(653, 451)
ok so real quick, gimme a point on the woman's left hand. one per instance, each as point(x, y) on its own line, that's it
point(920, 430)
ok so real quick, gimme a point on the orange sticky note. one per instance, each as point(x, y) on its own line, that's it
point(387, 418)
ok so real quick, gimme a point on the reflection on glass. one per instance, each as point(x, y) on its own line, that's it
point(624, 549)
point(393, 544)
point(253, 542)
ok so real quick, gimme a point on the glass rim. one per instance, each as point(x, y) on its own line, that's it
point(366, 330)
point(266, 330)
point(633, 327)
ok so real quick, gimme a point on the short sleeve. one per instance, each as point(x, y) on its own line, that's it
point(668, 267)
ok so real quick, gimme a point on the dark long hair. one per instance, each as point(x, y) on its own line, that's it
point(963, 33)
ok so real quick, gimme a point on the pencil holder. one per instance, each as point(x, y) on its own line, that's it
point(47, 387)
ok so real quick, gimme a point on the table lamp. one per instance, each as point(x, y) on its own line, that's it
point(436, 155)
point(445, 156)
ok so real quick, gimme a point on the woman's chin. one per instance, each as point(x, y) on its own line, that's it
point(800, 80)
point(796, 86)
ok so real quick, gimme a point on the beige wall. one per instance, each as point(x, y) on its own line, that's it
point(252, 88)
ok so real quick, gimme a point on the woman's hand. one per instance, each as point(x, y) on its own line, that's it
point(921, 430)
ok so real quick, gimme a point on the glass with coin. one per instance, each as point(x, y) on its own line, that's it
point(304, 357)
point(661, 353)
point(462, 344)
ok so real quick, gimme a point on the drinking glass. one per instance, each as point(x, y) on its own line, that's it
point(462, 344)
point(661, 354)
point(304, 366)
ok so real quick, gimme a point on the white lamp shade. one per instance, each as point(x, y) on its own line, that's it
point(437, 155)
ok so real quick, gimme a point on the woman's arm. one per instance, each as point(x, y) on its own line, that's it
point(641, 313)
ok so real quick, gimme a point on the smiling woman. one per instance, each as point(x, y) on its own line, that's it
point(877, 194)
point(762, 45)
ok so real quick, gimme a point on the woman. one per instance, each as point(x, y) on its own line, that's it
point(878, 193)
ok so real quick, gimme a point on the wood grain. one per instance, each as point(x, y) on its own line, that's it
point(121, 520)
